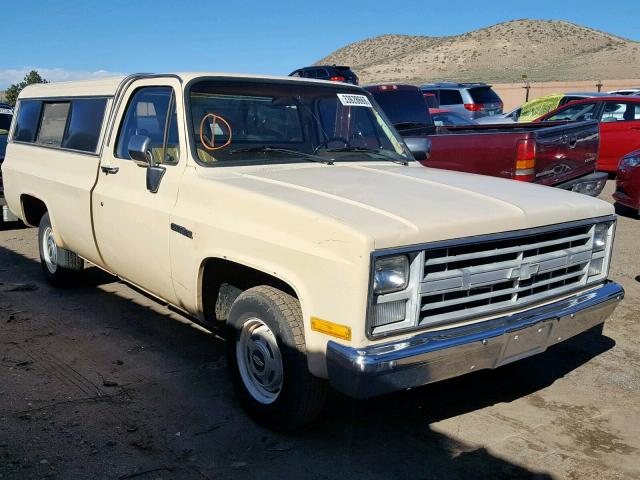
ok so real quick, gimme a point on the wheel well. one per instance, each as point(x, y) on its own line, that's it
point(33, 209)
point(222, 282)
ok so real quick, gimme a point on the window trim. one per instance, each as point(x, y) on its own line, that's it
point(69, 99)
point(173, 101)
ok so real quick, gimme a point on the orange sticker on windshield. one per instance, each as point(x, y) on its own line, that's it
point(215, 127)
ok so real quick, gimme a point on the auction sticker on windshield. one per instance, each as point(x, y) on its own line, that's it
point(351, 100)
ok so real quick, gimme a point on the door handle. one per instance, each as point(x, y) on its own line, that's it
point(110, 170)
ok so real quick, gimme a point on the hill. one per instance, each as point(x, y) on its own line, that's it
point(544, 50)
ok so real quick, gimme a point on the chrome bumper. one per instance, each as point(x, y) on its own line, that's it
point(433, 356)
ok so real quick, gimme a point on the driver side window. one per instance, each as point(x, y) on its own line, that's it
point(151, 113)
point(575, 113)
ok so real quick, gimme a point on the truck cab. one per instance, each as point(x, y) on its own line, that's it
point(289, 215)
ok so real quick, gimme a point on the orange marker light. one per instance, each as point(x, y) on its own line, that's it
point(330, 328)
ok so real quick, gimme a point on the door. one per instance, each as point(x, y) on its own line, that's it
point(132, 223)
point(619, 132)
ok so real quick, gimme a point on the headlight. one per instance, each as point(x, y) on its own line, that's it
point(391, 274)
point(600, 236)
point(630, 162)
point(601, 251)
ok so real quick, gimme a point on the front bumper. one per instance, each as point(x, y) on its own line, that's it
point(433, 356)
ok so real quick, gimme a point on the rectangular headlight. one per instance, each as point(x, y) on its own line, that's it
point(601, 236)
point(391, 274)
point(601, 251)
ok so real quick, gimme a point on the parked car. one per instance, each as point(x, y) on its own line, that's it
point(443, 117)
point(619, 118)
point(628, 181)
point(334, 73)
point(471, 100)
point(6, 113)
point(326, 253)
point(533, 109)
point(560, 155)
point(626, 91)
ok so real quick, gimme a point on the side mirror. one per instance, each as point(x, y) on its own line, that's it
point(420, 147)
point(140, 150)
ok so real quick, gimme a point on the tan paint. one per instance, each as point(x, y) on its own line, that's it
point(314, 226)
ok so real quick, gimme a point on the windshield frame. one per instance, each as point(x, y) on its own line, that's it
point(274, 81)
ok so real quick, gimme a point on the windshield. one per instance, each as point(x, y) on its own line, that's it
point(255, 122)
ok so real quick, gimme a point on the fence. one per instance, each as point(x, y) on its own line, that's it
point(513, 94)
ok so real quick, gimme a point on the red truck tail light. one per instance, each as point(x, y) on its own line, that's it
point(526, 161)
point(474, 107)
point(337, 79)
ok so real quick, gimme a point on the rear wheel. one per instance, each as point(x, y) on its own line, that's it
point(61, 267)
point(267, 359)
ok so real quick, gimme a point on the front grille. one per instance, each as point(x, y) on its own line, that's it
point(477, 279)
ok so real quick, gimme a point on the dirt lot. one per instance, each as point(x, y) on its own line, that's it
point(100, 382)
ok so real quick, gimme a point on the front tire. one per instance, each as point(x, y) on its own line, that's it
point(51, 256)
point(267, 360)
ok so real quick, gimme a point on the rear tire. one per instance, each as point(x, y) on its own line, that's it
point(267, 360)
point(51, 256)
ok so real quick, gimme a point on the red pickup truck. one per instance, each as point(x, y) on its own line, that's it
point(561, 154)
point(619, 118)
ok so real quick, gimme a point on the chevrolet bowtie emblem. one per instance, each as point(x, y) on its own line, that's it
point(527, 270)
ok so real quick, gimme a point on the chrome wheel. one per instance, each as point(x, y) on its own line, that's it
point(259, 361)
point(49, 250)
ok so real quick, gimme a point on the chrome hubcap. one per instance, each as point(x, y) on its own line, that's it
point(50, 250)
point(259, 361)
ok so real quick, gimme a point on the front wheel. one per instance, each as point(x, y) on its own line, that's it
point(267, 360)
point(61, 267)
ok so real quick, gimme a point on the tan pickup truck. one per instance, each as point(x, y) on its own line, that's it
point(291, 213)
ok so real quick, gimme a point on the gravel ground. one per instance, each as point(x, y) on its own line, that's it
point(100, 382)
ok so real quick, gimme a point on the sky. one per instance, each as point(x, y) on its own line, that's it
point(67, 40)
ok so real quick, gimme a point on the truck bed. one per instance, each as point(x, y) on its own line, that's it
point(556, 152)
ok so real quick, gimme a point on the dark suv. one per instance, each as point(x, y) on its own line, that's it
point(335, 73)
point(471, 100)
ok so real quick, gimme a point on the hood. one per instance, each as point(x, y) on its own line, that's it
point(396, 205)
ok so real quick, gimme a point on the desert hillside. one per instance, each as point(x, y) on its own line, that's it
point(545, 50)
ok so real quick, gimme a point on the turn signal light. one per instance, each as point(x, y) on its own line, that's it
point(330, 328)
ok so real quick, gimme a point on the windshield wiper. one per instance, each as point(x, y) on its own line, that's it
point(268, 148)
point(383, 153)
